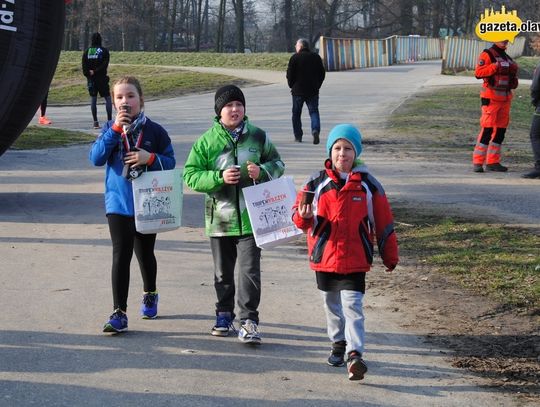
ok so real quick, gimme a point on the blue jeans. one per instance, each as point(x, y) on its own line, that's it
point(345, 318)
point(312, 103)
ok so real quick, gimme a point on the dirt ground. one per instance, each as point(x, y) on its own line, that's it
point(480, 336)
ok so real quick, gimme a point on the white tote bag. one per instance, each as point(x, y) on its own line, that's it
point(269, 206)
point(157, 197)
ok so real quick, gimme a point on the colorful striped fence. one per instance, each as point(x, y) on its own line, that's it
point(460, 54)
point(340, 54)
point(416, 48)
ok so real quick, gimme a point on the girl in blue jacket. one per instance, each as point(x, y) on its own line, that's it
point(130, 144)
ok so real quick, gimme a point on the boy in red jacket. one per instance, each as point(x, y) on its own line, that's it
point(348, 212)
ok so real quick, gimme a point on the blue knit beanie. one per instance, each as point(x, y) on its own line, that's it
point(347, 132)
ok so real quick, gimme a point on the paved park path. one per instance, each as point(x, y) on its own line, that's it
point(55, 269)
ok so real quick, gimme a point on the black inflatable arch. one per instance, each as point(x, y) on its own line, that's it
point(31, 33)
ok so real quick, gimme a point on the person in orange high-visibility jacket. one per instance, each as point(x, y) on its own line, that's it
point(499, 73)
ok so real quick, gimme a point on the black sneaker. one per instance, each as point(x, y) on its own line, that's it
point(356, 367)
point(533, 174)
point(337, 355)
point(298, 139)
point(315, 137)
point(497, 167)
point(478, 168)
point(96, 125)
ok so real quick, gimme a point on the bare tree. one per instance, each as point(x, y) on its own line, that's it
point(220, 25)
point(198, 31)
point(189, 24)
point(287, 22)
point(239, 14)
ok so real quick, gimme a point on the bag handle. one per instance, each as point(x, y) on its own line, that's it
point(267, 173)
point(160, 163)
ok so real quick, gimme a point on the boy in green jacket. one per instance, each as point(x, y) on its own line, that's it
point(231, 155)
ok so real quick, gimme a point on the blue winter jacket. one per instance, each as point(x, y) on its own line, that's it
point(109, 149)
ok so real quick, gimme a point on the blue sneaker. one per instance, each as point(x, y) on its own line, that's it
point(149, 305)
point(118, 322)
point(224, 324)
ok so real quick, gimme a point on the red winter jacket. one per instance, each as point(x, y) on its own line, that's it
point(345, 223)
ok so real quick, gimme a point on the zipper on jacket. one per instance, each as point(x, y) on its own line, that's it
point(365, 239)
point(212, 210)
point(323, 233)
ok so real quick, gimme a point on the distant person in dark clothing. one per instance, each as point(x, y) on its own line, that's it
point(535, 125)
point(42, 110)
point(95, 61)
point(305, 75)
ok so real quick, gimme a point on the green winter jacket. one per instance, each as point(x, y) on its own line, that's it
point(215, 151)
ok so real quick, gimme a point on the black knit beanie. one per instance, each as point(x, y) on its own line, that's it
point(227, 94)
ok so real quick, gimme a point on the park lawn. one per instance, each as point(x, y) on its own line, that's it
point(68, 86)
point(39, 137)
point(495, 260)
point(444, 123)
point(162, 74)
point(270, 61)
point(491, 259)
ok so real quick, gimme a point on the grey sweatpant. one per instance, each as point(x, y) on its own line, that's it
point(226, 251)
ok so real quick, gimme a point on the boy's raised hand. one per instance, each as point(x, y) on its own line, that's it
point(305, 211)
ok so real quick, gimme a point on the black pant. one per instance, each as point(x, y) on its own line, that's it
point(535, 138)
point(125, 239)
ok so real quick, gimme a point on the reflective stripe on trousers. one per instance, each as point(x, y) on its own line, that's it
point(493, 153)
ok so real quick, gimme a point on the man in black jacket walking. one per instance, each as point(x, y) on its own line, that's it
point(305, 75)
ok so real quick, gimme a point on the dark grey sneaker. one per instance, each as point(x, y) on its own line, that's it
point(478, 168)
point(531, 175)
point(356, 367)
point(337, 355)
point(497, 167)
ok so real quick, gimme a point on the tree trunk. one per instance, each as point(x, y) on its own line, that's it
point(287, 21)
point(172, 25)
point(220, 25)
point(198, 29)
point(406, 17)
point(239, 14)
